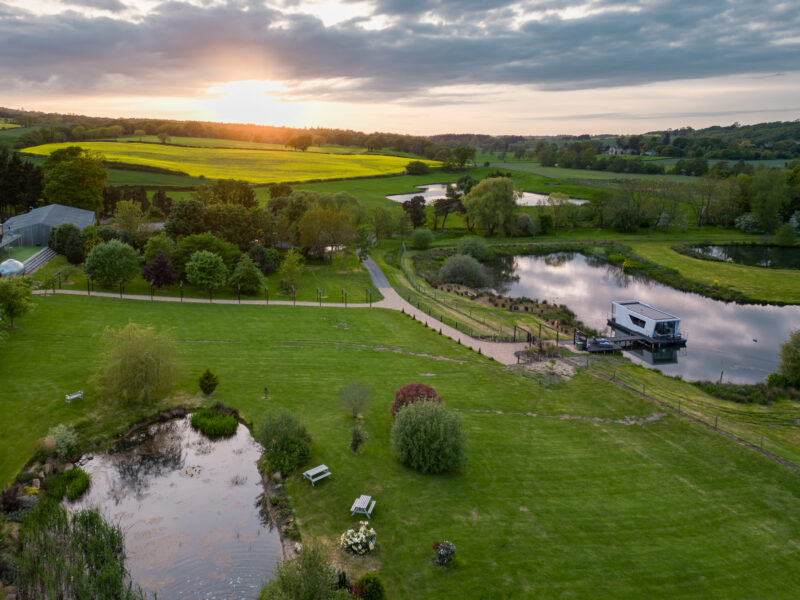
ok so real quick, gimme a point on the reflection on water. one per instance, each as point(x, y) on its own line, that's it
point(739, 342)
point(435, 191)
point(189, 509)
point(775, 257)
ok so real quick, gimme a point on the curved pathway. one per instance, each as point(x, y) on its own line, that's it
point(501, 352)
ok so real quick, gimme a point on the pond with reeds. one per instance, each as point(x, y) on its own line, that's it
point(190, 511)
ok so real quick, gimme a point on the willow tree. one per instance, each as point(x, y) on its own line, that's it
point(138, 365)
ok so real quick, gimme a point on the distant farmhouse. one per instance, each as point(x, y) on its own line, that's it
point(32, 229)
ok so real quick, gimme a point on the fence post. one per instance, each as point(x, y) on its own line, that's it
point(716, 418)
point(210, 293)
point(151, 292)
point(181, 290)
point(88, 286)
point(266, 294)
point(294, 302)
point(239, 292)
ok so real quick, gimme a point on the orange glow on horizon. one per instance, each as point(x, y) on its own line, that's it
point(252, 101)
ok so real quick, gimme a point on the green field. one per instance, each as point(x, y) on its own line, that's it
point(769, 285)
point(559, 497)
point(4, 126)
point(20, 253)
point(579, 174)
point(256, 166)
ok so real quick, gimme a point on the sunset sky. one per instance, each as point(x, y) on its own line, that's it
point(410, 66)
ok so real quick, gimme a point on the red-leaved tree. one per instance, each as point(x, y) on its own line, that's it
point(413, 392)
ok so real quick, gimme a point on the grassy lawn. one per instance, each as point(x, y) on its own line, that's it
point(770, 285)
point(20, 253)
point(345, 271)
point(558, 499)
point(256, 166)
point(562, 173)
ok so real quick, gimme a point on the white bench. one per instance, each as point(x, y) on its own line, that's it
point(317, 473)
point(364, 505)
point(70, 397)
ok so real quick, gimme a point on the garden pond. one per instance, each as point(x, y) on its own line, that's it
point(190, 510)
point(738, 343)
point(774, 257)
point(435, 191)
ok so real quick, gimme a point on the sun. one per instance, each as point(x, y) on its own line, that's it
point(253, 101)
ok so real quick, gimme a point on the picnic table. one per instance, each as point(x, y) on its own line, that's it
point(317, 473)
point(363, 505)
point(70, 397)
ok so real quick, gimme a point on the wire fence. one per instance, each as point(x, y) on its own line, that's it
point(731, 422)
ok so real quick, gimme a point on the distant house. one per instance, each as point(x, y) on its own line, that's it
point(615, 151)
point(32, 229)
point(650, 153)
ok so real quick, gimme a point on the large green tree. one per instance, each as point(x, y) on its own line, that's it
point(790, 358)
point(15, 296)
point(185, 218)
point(111, 262)
point(206, 269)
point(492, 204)
point(75, 177)
point(462, 154)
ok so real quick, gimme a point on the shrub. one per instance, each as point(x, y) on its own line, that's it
point(355, 396)
point(78, 481)
point(413, 392)
point(784, 235)
point(213, 423)
point(208, 382)
point(286, 443)
point(357, 437)
point(421, 239)
point(474, 247)
point(417, 167)
point(246, 277)
point(445, 553)
point(464, 270)
point(65, 438)
point(358, 541)
point(267, 259)
point(427, 438)
point(369, 587)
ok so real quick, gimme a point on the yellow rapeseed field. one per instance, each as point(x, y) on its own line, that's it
point(256, 166)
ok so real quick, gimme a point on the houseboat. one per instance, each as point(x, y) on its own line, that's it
point(655, 327)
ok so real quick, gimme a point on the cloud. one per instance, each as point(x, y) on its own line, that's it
point(180, 48)
point(109, 5)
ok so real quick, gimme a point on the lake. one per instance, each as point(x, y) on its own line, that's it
point(435, 191)
point(739, 342)
point(774, 257)
point(188, 509)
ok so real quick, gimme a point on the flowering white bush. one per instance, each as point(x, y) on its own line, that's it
point(359, 541)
